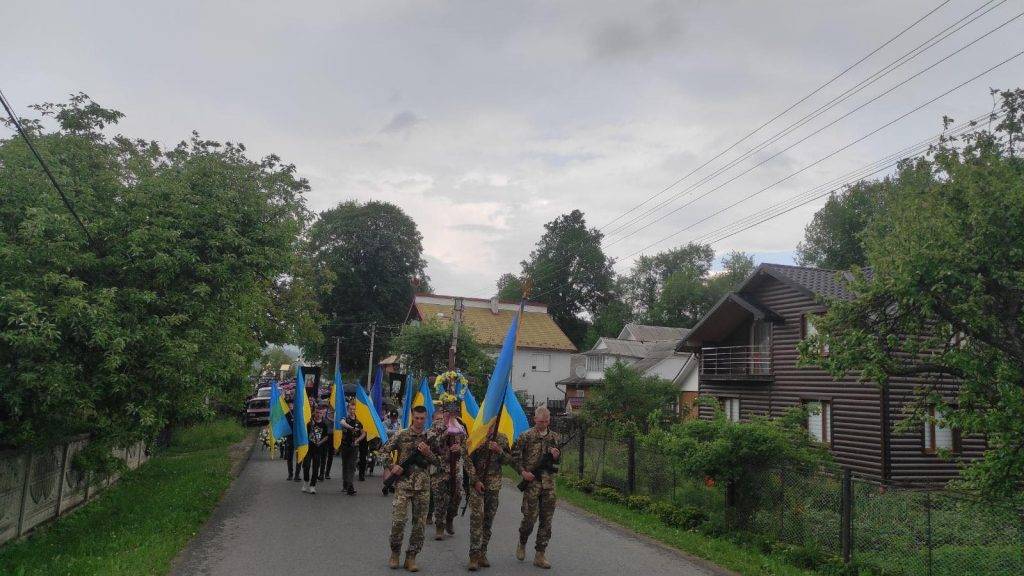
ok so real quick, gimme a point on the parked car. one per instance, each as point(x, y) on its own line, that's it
point(257, 409)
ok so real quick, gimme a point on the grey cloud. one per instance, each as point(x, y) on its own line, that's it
point(401, 123)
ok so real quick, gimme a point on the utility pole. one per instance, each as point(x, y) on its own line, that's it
point(337, 355)
point(459, 306)
point(369, 364)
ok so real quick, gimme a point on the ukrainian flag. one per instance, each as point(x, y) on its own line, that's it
point(498, 391)
point(302, 417)
point(368, 417)
point(407, 400)
point(278, 426)
point(340, 408)
point(513, 418)
point(469, 407)
point(420, 397)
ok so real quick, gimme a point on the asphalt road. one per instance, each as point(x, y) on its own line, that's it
point(267, 526)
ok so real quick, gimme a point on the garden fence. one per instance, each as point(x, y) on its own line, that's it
point(827, 512)
point(40, 485)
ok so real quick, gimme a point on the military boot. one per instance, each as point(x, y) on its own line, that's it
point(449, 528)
point(393, 560)
point(521, 552)
point(410, 562)
point(439, 535)
point(540, 561)
point(482, 560)
point(473, 562)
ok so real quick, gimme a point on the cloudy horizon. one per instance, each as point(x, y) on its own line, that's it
point(485, 120)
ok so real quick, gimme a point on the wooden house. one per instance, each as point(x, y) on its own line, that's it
point(747, 350)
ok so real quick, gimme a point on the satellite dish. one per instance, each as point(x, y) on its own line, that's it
point(581, 370)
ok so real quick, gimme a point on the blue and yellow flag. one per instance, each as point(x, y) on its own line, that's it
point(498, 389)
point(469, 406)
point(278, 426)
point(407, 400)
point(422, 397)
point(377, 391)
point(513, 418)
point(302, 417)
point(340, 408)
point(368, 417)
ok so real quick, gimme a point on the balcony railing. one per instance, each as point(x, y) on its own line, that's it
point(736, 361)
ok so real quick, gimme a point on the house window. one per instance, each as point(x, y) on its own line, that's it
point(541, 363)
point(819, 420)
point(937, 435)
point(595, 363)
point(809, 329)
point(609, 361)
point(731, 406)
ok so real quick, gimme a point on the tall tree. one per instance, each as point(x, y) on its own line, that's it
point(168, 307)
point(366, 259)
point(424, 348)
point(608, 321)
point(570, 272)
point(643, 285)
point(834, 238)
point(946, 294)
point(736, 266)
point(510, 287)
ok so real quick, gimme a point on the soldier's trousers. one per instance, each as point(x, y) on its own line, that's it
point(418, 500)
point(446, 503)
point(482, 508)
point(538, 503)
point(348, 465)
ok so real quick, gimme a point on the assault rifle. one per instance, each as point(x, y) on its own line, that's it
point(547, 464)
point(414, 459)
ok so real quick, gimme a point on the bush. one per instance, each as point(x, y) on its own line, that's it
point(609, 494)
point(639, 503)
point(686, 517)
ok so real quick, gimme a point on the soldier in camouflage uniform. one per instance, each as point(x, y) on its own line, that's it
point(484, 469)
point(413, 488)
point(539, 496)
point(445, 496)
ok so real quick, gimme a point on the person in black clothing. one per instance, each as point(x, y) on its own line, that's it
point(350, 440)
point(317, 434)
point(327, 450)
point(289, 447)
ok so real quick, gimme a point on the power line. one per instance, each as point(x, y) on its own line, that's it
point(53, 180)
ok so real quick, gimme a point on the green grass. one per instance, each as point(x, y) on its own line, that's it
point(744, 559)
point(140, 524)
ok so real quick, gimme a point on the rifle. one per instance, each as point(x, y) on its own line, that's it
point(547, 464)
point(414, 459)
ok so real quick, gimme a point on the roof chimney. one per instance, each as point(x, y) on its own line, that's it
point(494, 305)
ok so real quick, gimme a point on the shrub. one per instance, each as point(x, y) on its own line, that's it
point(609, 494)
point(639, 502)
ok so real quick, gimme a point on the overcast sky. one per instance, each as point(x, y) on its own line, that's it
point(484, 120)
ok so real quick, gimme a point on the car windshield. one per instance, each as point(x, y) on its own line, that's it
point(263, 393)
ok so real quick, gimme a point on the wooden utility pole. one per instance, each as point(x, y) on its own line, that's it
point(458, 306)
point(337, 355)
point(369, 364)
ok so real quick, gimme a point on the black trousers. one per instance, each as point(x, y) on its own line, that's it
point(289, 455)
point(326, 459)
point(348, 465)
point(364, 452)
point(312, 460)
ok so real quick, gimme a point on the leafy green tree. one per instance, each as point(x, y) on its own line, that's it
point(946, 293)
point(628, 401)
point(273, 357)
point(570, 272)
point(609, 319)
point(834, 238)
point(643, 285)
point(736, 266)
point(510, 287)
point(424, 349)
point(367, 261)
point(169, 306)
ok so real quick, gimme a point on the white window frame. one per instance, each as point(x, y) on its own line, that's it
point(810, 329)
point(540, 362)
point(936, 435)
point(595, 363)
point(731, 407)
point(819, 420)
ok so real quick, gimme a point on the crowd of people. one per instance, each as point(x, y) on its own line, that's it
point(430, 469)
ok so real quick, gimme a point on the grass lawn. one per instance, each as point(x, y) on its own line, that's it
point(140, 524)
point(743, 559)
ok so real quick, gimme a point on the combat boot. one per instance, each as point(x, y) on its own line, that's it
point(540, 561)
point(473, 562)
point(393, 560)
point(410, 562)
point(521, 552)
point(439, 535)
point(482, 560)
point(449, 528)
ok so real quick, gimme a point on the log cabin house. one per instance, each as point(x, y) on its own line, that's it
point(747, 350)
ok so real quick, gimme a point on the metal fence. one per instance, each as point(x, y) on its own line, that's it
point(40, 485)
point(825, 513)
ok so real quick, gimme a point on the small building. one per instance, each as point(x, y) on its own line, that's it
point(747, 349)
point(651, 350)
point(542, 357)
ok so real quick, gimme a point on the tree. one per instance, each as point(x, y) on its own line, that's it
point(366, 260)
point(627, 400)
point(570, 272)
point(946, 293)
point(833, 240)
point(510, 288)
point(643, 286)
point(736, 267)
point(169, 305)
point(424, 349)
point(609, 320)
point(273, 357)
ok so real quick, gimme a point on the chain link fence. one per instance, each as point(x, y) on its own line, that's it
point(825, 513)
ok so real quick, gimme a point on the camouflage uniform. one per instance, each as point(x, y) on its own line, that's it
point(412, 488)
point(483, 507)
point(446, 499)
point(539, 496)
